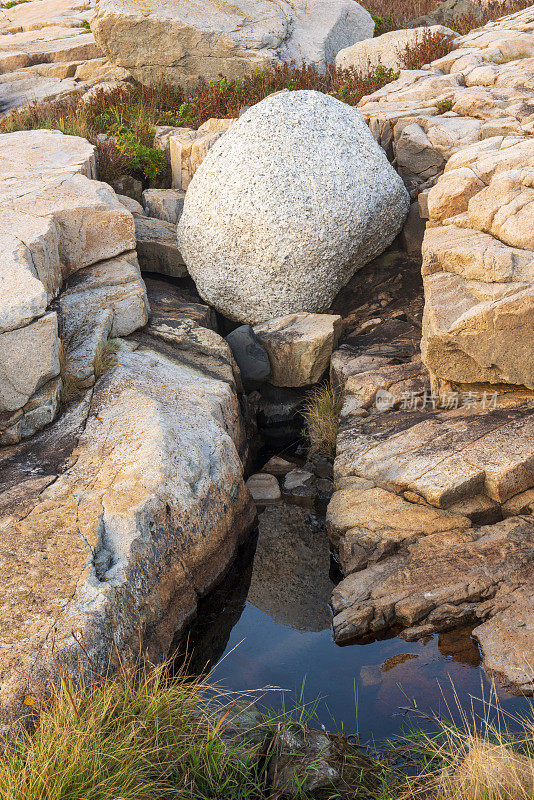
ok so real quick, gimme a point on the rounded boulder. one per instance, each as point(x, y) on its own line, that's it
point(286, 206)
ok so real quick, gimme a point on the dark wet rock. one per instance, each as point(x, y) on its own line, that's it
point(290, 579)
point(245, 728)
point(300, 488)
point(130, 187)
point(157, 248)
point(300, 761)
point(250, 356)
point(169, 301)
point(320, 466)
point(279, 416)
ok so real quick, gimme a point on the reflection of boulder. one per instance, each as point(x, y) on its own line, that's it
point(218, 613)
point(290, 580)
point(460, 646)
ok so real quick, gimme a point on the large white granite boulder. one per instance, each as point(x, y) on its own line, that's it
point(286, 206)
point(180, 42)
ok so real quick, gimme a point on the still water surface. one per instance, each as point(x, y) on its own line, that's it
point(269, 624)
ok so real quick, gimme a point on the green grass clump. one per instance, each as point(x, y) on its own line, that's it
point(444, 105)
point(321, 414)
point(138, 736)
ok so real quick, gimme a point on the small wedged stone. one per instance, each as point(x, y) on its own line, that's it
point(157, 248)
point(251, 357)
point(167, 301)
point(264, 488)
point(299, 347)
point(165, 204)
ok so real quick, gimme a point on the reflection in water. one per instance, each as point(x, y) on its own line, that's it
point(290, 580)
point(271, 621)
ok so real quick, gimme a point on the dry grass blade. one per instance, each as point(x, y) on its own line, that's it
point(105, 357)
point(321, 413)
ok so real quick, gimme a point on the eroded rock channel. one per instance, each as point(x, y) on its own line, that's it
point(151, 425)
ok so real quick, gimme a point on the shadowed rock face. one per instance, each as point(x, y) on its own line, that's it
point(179, 42)
point(121, 514)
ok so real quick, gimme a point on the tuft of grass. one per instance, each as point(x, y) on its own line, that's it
point(321, 413)
point(428, 47)
point(444, 105)
point(11, 3)
point(105, 357)
point(150, 734)
point(72, 387)
point(136, 736)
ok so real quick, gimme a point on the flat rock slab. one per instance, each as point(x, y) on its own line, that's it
point(169, 302)
point(446, 580)
point(117, 517)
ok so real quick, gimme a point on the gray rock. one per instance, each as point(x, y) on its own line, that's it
point(130, 187)
point(251, 357)
point(165, 204)
point(264, 488)
point(157, 249)
point(449, 11)
point(286, 206)
point(299, 488)
point(173, 303)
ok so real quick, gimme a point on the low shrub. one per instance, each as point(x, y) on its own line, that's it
point(428, 47)
point(444, 105)
point(121, 123)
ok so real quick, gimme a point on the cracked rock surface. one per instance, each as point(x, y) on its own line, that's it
point(432, 517)
point(119, 515)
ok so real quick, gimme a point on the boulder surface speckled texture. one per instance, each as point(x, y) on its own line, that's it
point(286, 206)
point(180, 42)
